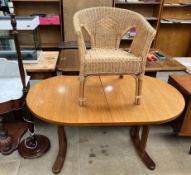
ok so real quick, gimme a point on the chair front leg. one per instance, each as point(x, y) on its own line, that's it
point(81, 93)
point(139, 82)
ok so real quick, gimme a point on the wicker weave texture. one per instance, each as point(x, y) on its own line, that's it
point(106, 27)
point(111, 61)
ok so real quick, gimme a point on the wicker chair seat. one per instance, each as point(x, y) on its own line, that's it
point(111, 61)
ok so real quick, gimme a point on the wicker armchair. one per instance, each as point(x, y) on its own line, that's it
point(105, 27)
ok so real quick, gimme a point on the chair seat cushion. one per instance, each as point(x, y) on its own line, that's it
point(111, 61)
point(11, 88)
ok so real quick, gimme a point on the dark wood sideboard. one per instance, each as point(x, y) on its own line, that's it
point(182, 125)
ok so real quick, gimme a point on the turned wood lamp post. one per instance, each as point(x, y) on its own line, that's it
point(12, 95)
point(10, 134)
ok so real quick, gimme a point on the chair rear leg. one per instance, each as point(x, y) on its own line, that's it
point(81, 93)
point(139, 82)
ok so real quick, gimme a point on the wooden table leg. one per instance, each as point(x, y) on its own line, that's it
point(190, 151)
point(58, 164)
point(140, 145)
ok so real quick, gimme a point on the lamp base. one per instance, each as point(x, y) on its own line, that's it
point(34, 151)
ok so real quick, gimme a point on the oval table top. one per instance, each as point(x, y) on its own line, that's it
point(109, 101)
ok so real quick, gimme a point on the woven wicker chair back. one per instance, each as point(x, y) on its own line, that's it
point(106, 26)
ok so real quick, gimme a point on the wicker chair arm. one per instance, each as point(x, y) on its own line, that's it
point(142, 41)
point(81, 44)
point(80, 41)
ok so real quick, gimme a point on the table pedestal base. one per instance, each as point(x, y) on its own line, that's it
point(42, 146)
point(140, 145)
point(59, 162)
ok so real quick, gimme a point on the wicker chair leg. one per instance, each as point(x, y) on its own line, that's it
point(139, 82)
point(81, 94)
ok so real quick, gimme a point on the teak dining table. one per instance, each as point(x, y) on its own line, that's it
point(109, 101)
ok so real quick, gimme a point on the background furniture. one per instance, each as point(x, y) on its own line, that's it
point(155, 11)
point(45, 68)
point(111, 107)
point(182, 125)
point(168, 64)
point(175, 28)
point(169, 18)
point(27, 27)
point(105, 26)
point(50, 33)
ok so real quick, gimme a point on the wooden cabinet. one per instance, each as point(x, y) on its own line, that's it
point(174, 34)
point(50, 35)
point(182, 125)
